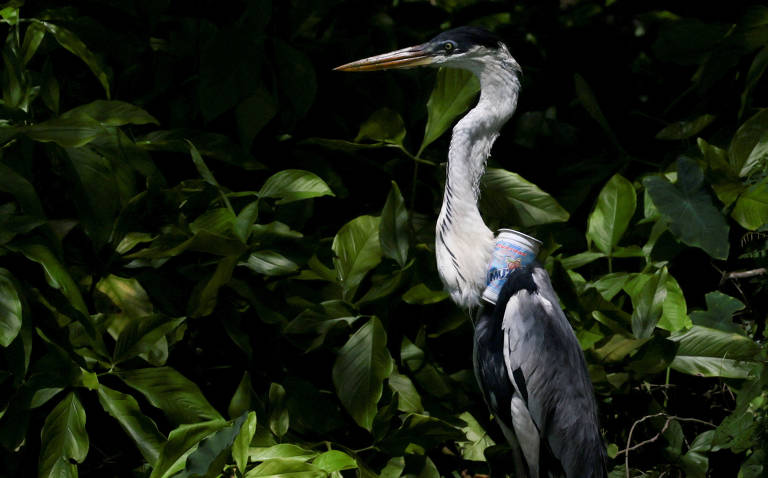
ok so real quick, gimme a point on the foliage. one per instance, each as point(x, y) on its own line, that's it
point(162, 316)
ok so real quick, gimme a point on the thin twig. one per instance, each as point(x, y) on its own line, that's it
point(744, 274)
point(656, 437)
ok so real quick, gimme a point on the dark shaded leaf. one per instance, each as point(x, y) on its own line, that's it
point(10, 309)
point(181, 443)
point(393, 229)
point(685, 129)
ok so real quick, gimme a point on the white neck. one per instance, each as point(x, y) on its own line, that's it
point(463, 242)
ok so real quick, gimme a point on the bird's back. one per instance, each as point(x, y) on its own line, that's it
point(525, 348)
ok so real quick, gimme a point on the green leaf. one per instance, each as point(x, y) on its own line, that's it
point(647, 304)
point(749, 145)
point(610, 284)
point(422, 295)
point(277, 468)
point(165, 388)
point(243, 441)
point(674, 310)
point(63, 437)
point(211, 453)
point(618, 347)
point(139, 335)
point(142, 430)
point(71, 42)
point(589, 102)
point(360, 369)
point(719, 313)
point(581, 259)
point(203, 302)
point(33, 36)
point(181, 443)
point(279, 419)
point(394, 468)
point(56, 275)
point(508, 196)
point(334, 460)
point(685, 129)
point(127, 294)
point(245, 219)
point(751, 209)
point(714, 353)
point(358, 250)
point(20, 188)
point(393, 229)
point(270, 263)
point(253, 113)
point(689, 209)
point(10, 309)
point(293, 185)
point(281, 451)
point(385, 126)
point(241, 400)
point(477, 441)
point(609, 219)
point(110, 113)
point(408, 397)
point(454, 92)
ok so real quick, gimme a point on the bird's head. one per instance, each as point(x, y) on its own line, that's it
point(460, 47)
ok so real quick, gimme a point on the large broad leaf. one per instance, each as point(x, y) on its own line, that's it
point(749, 146)
point(71, 42)
point(393, 230)
point(455, 91)
point(610, 218)
point(270, 263)
point(142, 430)
point(408, 398)
point(689, 210)
point(751, 209)
point(477, 440)
point(360, 369)
point(674, 315)
point(165, 388)
point(181, 443)
point(358, 250)
point(334, 461)
point(508, 196)
point(57, 276)
point(10, 309)
point(714, 353)
point(140, 335)
point(647, 304)
point(211, 453)
point(293, 185)
point(63, 438)
point(719, 313)
point(243, 441)
point(280, 468)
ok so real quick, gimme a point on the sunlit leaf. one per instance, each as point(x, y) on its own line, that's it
point(689, 209)
point(612, 213)
point(283, 450)
point(334, 461)
point(454, 92)
point(142, 430)
point(270, 263)
point(360, 369)
point(178, 397)
point(358, 250)
point(293, 185)
point(477, 440)
point(212, 452)
point(510, 197)
point(279, 468)
point(63, 437)
point(243, 441)
point(751, 209)
point(182, 441)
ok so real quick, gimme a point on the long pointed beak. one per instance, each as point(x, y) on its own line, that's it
point(404, 58)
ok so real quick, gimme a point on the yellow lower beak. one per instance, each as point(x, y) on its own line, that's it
point(404, 58)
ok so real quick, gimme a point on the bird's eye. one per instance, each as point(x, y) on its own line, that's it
point(449, 46)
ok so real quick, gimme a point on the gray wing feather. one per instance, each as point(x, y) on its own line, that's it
point(547, 368)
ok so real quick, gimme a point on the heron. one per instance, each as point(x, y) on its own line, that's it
point(528, 362)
